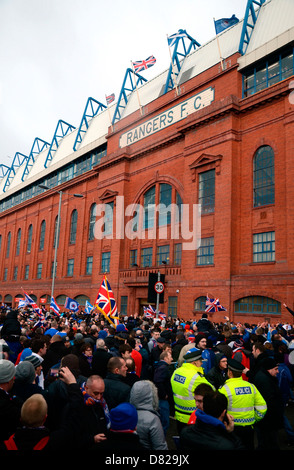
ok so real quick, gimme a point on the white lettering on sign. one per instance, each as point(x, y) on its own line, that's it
point(167, 118)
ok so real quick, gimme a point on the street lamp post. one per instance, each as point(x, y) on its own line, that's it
point(43, 186)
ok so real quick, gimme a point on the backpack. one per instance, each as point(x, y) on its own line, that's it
point(10, 443)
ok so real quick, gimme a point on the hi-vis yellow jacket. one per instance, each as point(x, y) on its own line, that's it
point(245, 402)
point(184, 381)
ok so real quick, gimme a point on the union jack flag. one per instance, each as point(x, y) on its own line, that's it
point(213, 305)
point(110, 98)
point(149, 312)
point(141, 65)
point(105, 302)
point(33, 304)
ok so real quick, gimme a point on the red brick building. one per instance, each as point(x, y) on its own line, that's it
point(223, 138)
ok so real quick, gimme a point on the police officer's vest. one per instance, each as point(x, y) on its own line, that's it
point(245, 402)
point(184, 381)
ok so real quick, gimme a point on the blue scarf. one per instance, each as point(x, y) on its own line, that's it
point(205, 418)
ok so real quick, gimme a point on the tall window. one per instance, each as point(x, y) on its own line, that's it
point(70, 267)
point(165, 199)
point(42, 235)
point(105, 262)
point(264, 247)
point(149, 208)
point(18, 242)
point(146, 257)
point(200, 304)
point(206, 193)
point(55, 231)
point(39, 270)
point(133, 257)
point(108, 218)
point(89, 265)
point(264, 176)
point(15, 271)
point(73, 227)
point(178, 254)
point(162, 255)
point(205, 253)
point(5, 274)
point(30, 236)
point(8, 244)
point(92, 221)
point(172, 306)
point(27, 270)
point(124, 304)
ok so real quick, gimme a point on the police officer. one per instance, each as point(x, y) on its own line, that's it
point(245, 403)
point(184, 381)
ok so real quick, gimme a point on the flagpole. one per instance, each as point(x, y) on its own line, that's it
point(219, 50)
point(172, 65)
point(109, 115)
point(137, 89)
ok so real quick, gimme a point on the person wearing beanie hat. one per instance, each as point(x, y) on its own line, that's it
point(37, 363)
point(267, 383)
point(245, 403)
point(9, 406)
point(122, 435)
point(25, 372)
point(184, 381)
point(24, 385)
point(218, 374)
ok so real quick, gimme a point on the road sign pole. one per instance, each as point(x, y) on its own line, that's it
point(157, 297)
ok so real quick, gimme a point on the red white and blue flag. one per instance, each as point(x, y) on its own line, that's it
point(71, 304)
point(141, 65)
point(32, 303)
point(110, 98)
point(54, 306)
point(213, 305)
point(149, 312)
point(105, 302)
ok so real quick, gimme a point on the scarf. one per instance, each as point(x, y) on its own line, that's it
point(89, 401)
point(205, 418)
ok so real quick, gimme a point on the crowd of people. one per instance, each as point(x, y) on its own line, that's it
point(80, 381)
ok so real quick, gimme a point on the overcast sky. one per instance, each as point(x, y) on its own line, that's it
point(55, 54)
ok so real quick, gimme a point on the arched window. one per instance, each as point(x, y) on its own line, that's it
point(42, 235)
point(200, 304)
point(18, 242)
point(264, 176)
point(92, 221)
point(73, 227)
point(30, 235)
point(8, 244)
point(55, 231)
point(257, 304)
point(149, 208)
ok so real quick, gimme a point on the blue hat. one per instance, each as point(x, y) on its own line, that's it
point(102, 334)
point(121, 327)
point(124, 417)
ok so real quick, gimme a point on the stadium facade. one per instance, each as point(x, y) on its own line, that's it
point(215, 131)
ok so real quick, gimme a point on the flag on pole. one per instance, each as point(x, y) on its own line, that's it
point(171, 40)
point(22, 303)
point(213, 305)
point(141, 65)
point(110, 98)
point(224, 23)
point(88, 307)
point(33, 304)
point(105, 302)
point(71, 304)
point(54, 306)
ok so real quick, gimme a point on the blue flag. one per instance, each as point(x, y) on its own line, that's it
point(71, 304)
point(224, 23)
point(88, 307)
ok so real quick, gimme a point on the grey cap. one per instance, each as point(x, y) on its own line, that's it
point(7, 371)
point(34, 360)
point(25, 372)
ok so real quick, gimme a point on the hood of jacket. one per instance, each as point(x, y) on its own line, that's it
point(144, 396)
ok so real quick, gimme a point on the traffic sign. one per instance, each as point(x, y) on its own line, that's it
point(159, 287)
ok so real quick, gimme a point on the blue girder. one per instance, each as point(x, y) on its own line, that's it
point(3, 170)
point(123, 97)
point(38, 146)
point(18, 161)
point(62, 129)
point(250, 19)
point(178, 56)
point(92, 108)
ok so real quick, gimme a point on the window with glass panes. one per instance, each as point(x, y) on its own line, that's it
point(30, 236)
point(15, 271)
point(178, 254)
point(257, 304)
point(42, 235)
point(146, 257)
point(8, 244)
point(39, 270)
point(264, 176)
point(27, 270)
point(162, 255)
point(108, 218)
point(70, 267)
point(89, 265)
point(149, 208)
point(5, 274)
point(133, 257)
point(105, 262)
point(124, 304)
point(92, 221)
point(205, 253)
point(264, 249)
point(73, 227)
point(200, 304)
point(165, 200)
point(18, 242)
point(172, 307)
point(206, 193)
